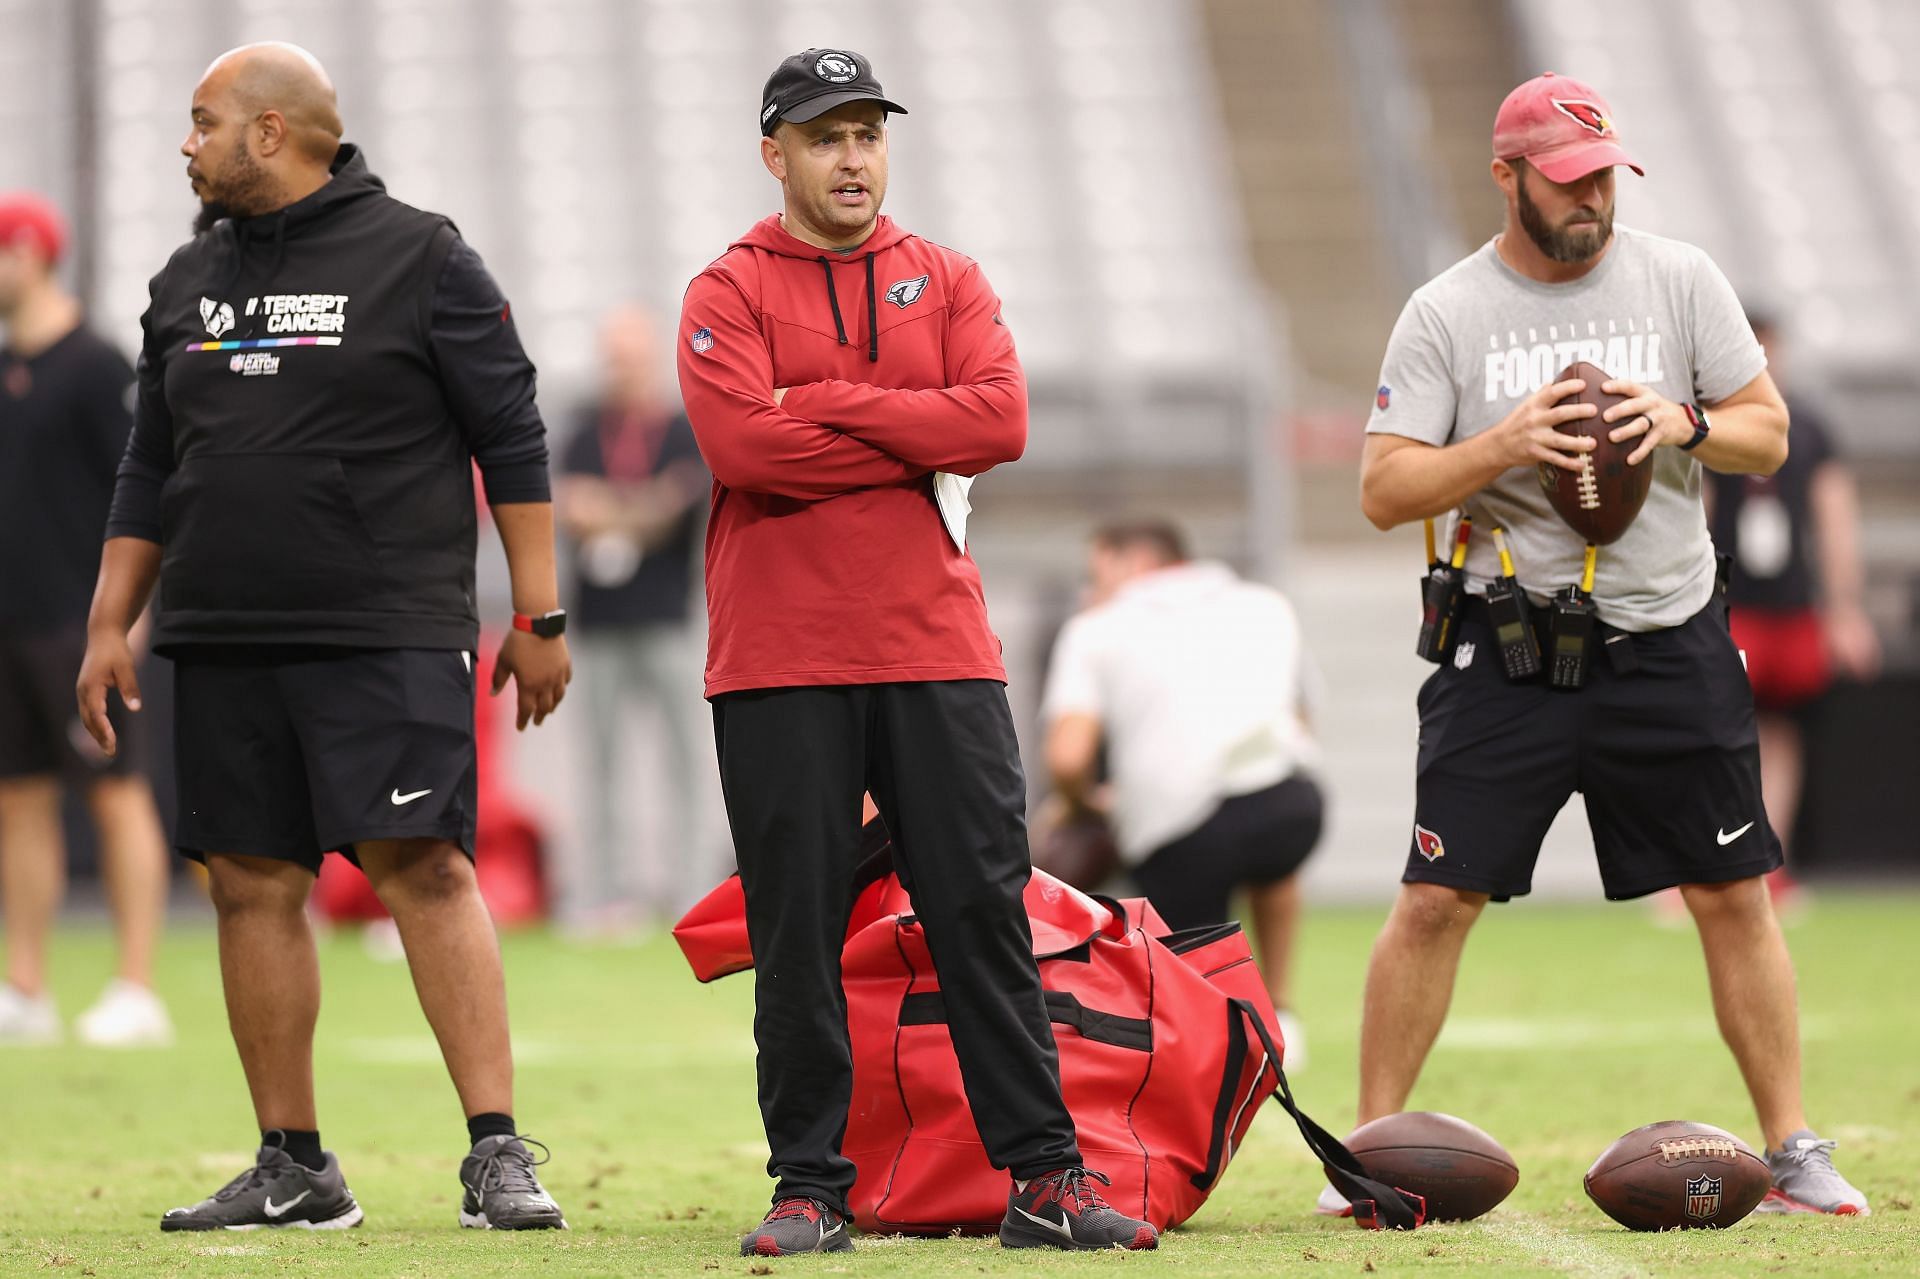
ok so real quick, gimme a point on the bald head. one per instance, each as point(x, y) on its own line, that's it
point(283, 78)
point(266, 129)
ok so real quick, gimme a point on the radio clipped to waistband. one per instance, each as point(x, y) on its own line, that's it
point(1508, 610)
point(1573, 622)
point(1443, 593)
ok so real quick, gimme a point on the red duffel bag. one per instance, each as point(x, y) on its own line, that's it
point(1167, 1042)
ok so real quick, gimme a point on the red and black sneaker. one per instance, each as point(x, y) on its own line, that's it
point(1063, 1210)
point(797, 1224)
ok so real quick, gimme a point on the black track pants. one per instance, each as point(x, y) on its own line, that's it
point(941, 762)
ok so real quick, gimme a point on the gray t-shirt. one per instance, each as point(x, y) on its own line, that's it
point(1480, 337)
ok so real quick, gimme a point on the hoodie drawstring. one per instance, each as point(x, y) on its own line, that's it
point(833, 299)
point(224, 292)
point(279, 247)
point(873, 317)
point(242, 232)
point(873, 309)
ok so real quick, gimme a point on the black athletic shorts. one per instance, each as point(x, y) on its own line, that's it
point(1259, 838)
point(1666, 756)
point(40, 728)
point(291, 753)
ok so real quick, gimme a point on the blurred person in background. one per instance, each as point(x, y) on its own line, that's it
point(631, 498)
point(1193, 678)
point(1796, 592)
point(836, 369)
point(321, 368)
point(64, 419)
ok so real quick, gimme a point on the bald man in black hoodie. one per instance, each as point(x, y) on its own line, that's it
point(321, 367)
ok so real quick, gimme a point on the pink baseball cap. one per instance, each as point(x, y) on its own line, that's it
point(1559, 126)
point(26, 218)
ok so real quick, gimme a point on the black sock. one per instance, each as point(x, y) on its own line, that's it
point(301, 1146)
point(489, 1124)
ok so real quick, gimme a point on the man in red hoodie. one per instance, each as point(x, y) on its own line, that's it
point(845, 379)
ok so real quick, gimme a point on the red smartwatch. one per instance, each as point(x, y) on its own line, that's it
point(1697, 419)
point(546, 626)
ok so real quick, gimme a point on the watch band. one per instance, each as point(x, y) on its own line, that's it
point(546, 625)
point(1698, 417)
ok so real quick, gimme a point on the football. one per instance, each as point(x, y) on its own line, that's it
point(1600, 500)
point(1462, 1172)
point(1678, 1176)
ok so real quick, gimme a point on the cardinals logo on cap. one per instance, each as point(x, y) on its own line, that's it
point(836, 68)
point(1585, 114)
point(1428, 844)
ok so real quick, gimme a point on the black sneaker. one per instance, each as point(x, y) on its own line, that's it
point(1063, 1210)
point(797, 1224)
point(277, 1191)
point(502, 1192)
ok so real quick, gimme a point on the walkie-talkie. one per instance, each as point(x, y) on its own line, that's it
point(1442, 595)
point(1507, 606)
point(1573, 629)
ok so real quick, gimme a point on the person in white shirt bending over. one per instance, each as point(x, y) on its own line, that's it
point(1192, 678)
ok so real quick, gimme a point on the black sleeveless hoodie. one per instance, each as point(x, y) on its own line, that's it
point(315, 384)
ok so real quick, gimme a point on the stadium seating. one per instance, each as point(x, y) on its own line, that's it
point(1792, 153)
point(597, 150)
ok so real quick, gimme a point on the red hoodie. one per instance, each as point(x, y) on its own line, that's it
point(827, 562)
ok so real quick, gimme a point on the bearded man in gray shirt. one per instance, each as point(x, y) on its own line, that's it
point(1660, 737)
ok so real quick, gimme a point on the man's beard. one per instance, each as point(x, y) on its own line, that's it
point(210, 212)
point(1563, 244)
point(244, 190)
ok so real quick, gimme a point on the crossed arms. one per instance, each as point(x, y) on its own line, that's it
point(826, 438)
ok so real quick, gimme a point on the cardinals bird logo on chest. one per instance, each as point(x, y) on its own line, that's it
point(217, 316)
point(904, 293)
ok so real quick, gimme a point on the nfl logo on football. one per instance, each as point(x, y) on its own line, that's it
point(1703, 1197)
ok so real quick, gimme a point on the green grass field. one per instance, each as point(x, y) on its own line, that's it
point(1571, 1026)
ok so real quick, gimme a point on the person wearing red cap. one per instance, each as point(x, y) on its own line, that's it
point(849, 651)
point(1659, 735)
point(63, 425)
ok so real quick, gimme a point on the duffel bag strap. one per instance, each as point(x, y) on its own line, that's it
point(1376, 1205)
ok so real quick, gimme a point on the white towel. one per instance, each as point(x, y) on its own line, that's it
point(950, 492)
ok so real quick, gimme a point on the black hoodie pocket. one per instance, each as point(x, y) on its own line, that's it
point(262, 532)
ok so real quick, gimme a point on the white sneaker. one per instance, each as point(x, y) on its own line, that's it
point(125, 1016)
point(25, 1020)
point(1293, 1043)
point(1332, 1203)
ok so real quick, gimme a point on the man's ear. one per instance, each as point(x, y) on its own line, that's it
point(1506, 176)
point(774, 158)
point(271, 130)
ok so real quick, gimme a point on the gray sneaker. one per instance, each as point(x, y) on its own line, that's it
point(1804, 1180)
point(502, 1192)
point(276, 1192)
point(797, 1224)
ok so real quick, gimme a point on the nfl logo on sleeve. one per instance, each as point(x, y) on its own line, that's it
point(701, 341)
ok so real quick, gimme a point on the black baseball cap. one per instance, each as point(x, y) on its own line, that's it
point(814, 82)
